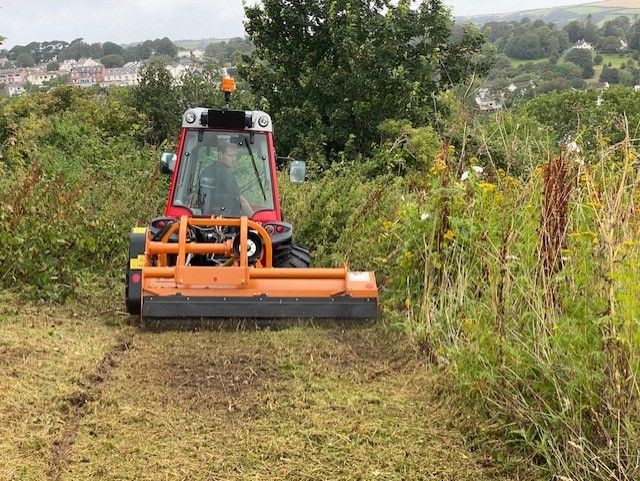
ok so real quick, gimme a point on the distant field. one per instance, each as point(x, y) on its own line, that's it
point(601, 12)
point(620, 3)
point(516, 62)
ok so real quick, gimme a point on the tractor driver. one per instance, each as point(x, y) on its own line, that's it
point(222, 173)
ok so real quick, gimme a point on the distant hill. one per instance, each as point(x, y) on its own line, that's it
point(600, 11)
point(186, 44)
point(200, 44)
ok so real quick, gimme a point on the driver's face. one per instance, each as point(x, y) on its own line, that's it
point(229, 154)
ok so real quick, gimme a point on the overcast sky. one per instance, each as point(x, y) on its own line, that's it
point(23, 21)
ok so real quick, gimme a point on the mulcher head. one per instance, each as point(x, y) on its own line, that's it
point(240, 281)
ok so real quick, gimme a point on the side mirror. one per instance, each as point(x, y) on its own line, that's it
point(167, 162)
point(297, 171)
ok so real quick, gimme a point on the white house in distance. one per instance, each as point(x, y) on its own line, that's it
point(584, 45)
point(128, 74)
point(177, 71)
point(486, 102)
point(196, 54)
point(13, 89)
point(40, 76)
point(12, 76)
point(68, 65)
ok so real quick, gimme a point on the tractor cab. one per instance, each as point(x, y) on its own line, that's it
point(225, 166)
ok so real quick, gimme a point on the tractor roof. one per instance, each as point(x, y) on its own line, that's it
point(250, 120)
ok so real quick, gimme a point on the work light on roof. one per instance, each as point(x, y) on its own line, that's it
point(263, 121)
point(190, 117)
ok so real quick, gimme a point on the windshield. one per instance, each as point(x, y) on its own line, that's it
point(224, 174)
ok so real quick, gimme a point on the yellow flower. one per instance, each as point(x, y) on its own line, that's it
point(487, 187)
point(449, 235)
point(438, 166)
point(407, 303)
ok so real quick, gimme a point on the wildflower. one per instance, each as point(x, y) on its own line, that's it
point(487, 186)
point(464, 176)
point(438, 166)
point(477, 169)
point(511, 258)
point(424, 216)
point(449, 235)
point(573, 147)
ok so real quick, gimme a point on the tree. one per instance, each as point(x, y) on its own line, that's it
point(598, 59)
point(634, 35)
point(113, 60)
point(110, 48)
point(583, 58)
point(164, 46)
point(25, 60)
point(331, 71)
point(609, 44)
point(157, 97)
point(53, 66)
point(575, 31)
point(611, 75)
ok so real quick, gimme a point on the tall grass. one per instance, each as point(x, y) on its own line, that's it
point(523, 288)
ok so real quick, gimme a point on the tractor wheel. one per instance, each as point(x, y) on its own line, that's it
point(292, 255)
point(133, 290)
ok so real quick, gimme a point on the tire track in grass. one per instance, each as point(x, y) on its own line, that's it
point(76, 405)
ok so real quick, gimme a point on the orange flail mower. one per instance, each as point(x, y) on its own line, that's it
point(222, 249)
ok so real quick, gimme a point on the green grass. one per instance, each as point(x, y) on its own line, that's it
point(298, 403)
point(616, 60)
point(516, 62)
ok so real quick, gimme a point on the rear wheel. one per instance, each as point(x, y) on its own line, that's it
point(292, 255)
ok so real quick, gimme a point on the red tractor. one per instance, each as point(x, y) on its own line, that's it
point(222, 248)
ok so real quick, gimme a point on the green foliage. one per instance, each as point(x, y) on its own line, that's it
point(527, 40)
point(333, 71)
point(25, 59)
point(110, 48)
point(157, 97)
point(75, 178)
point(53, 66)
point(226, 52)
point(403, 149)
point(458, 259)
point(579, 115)
point(583, 58)
point(611, 75)
point(113, 60)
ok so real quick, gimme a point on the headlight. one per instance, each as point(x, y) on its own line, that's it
point(263, 121)
point(190, 117)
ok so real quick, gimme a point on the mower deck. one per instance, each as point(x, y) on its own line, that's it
point(242, 290)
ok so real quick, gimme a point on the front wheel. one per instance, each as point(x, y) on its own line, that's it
point(292, 255)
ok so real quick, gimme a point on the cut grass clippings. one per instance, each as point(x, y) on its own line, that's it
point(84, 397)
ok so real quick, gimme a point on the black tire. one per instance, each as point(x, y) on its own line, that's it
point(133, 307)
point(133, 290)
point(292, 255)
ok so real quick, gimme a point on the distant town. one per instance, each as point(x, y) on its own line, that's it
point(40, 66)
